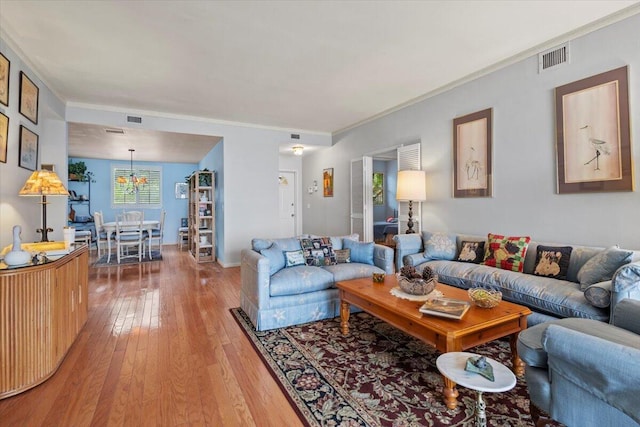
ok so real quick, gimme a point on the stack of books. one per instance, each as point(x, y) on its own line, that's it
point(446, 307)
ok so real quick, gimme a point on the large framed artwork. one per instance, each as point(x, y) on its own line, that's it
point(593, 134)
point(28, 98)
point(5, 74)
point(327, 182)
point(4, 136)
point(472, 173)
point(28, 155)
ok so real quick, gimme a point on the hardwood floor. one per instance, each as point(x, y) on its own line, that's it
point(159, 348)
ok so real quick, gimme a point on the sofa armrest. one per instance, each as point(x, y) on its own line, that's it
point(626, 315)
point(609, 371)
point(406, 244)
point(625, 284)
point(255, 277)
point(383, 258)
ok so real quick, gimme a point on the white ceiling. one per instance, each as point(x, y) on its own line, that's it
point(299, 65)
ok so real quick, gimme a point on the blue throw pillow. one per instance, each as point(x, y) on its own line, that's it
point(603, 266)
point(439, 246)
point(275, 256)
point(360, 251)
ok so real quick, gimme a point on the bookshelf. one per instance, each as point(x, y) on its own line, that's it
point(202, 236)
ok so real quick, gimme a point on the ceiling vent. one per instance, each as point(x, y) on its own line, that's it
point(118, 131)
point(554, 57)
point(134, 119)
point(295, 136)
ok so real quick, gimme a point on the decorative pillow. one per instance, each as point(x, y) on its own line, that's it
point(343, 256)
point(506, 253)
point(552, 261)
point(439, 246)
point(275, 256)
point(471, 252)
point(603, 266)
point(360, 252)
point(318, 251)
point(599, 294)
point(293, 258)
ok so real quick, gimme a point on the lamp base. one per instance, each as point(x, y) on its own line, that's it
point(410, 229)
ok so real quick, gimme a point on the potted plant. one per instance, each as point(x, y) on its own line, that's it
point(204, 180)
point(78, 172)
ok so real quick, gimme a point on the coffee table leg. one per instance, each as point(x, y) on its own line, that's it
point(517, 363)
point(450, 393)
point(344, 317)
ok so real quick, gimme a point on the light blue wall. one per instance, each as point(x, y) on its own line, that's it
point(101, 193)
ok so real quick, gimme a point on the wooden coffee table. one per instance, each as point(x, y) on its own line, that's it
point(478, 326)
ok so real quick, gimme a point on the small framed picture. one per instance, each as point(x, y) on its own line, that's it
point(48, 167)
point(4, 136)
point(28, 155)
point(181, 190)
point(28, 98)
point(327, 182)
point(5, 68)
point(472, 155)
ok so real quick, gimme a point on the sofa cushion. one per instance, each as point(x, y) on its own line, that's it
point(293, 258)
point(275, 255)
point(599, 294)
point(318, 251)
point(439, 245)
point(336, 241)
point(507, 253)
point(552, 261)
point(471, 252)
point(353, 270)
point(360, 251)
point(603, 266)
point(286, 244)
point(299, 280)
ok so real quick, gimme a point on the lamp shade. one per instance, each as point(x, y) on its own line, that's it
point(43, 183)
point(411, 186)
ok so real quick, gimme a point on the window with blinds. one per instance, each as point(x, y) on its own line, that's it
point(148, 193)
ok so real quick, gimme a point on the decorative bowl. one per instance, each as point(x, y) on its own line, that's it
point(416, 286)
point(485, 298)
point(377, 277)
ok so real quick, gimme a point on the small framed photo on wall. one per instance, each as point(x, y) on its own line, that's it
point(327, 182)
point(5, 74)
point(4, 136)
point(29, 93)
point(28, 155)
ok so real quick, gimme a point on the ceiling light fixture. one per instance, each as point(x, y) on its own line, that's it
point(297, 150)
point(133, 183)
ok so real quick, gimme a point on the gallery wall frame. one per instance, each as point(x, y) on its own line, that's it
point(28, 153)
point(4, 137)
point(327, 182)
point(29, 94)
point(5, 76)
point(593, 134)
point(181, 190)
point(472, 151)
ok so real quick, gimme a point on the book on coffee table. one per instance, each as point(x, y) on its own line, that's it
point(446, 307)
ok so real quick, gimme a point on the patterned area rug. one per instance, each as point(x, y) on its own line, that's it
point(102, 262)
point(376, 376)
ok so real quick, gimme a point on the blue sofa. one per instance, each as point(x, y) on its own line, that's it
point(548, 298)
point(275, 295)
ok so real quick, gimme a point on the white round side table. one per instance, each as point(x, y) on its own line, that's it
point(451, 365)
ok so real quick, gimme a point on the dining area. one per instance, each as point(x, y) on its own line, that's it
point(129, 237)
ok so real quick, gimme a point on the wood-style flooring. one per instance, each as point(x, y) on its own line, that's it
point(159, 348)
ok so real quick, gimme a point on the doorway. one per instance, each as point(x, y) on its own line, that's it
point(287, 204)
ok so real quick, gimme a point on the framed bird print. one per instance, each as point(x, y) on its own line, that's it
point(593, 135)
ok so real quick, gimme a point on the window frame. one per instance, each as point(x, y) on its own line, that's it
point(114, 167)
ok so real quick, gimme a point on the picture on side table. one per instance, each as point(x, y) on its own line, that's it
point(5, 68)
point(4, 136)
point(593, 134)
point(327, 182)
point(472, 173)
point(28, 155)
point(28, 98)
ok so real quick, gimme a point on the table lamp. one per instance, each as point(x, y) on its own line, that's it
point(44, 183)
point(411, 188)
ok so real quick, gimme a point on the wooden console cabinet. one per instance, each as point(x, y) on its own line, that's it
point(42, 310)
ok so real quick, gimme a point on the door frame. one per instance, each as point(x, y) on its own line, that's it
point(297, 197)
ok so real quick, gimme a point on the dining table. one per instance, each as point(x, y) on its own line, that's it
point(110, 228)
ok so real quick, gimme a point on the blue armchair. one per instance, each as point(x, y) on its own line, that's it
point(584, 372)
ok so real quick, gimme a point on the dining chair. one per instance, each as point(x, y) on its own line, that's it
point(132, 215)
point(101, 235)
point(129, 233)
point(157, 234)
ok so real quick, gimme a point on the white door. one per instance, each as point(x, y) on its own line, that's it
point(409, 159)
point(287, 203)
point(362, 198)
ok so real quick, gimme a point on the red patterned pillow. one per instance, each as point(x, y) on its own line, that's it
point(506, 253)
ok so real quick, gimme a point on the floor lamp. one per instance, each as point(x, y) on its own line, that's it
point(44, 183)
point(411, 188)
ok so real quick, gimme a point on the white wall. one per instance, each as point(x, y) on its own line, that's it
point(524, 166)
point(52, 133)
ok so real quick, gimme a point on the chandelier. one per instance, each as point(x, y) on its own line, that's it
point(133, 183)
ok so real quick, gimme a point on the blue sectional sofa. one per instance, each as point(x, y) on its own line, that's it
point(548, 298)
point(278, 289)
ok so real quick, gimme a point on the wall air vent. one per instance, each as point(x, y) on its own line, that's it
point(118, 131)
point(295, 136)
point(553, 58)
point(134, 119)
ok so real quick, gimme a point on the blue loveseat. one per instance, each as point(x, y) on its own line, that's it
point(275, 295)
point(548, 298)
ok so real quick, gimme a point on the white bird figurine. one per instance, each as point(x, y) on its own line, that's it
point(16, 256)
